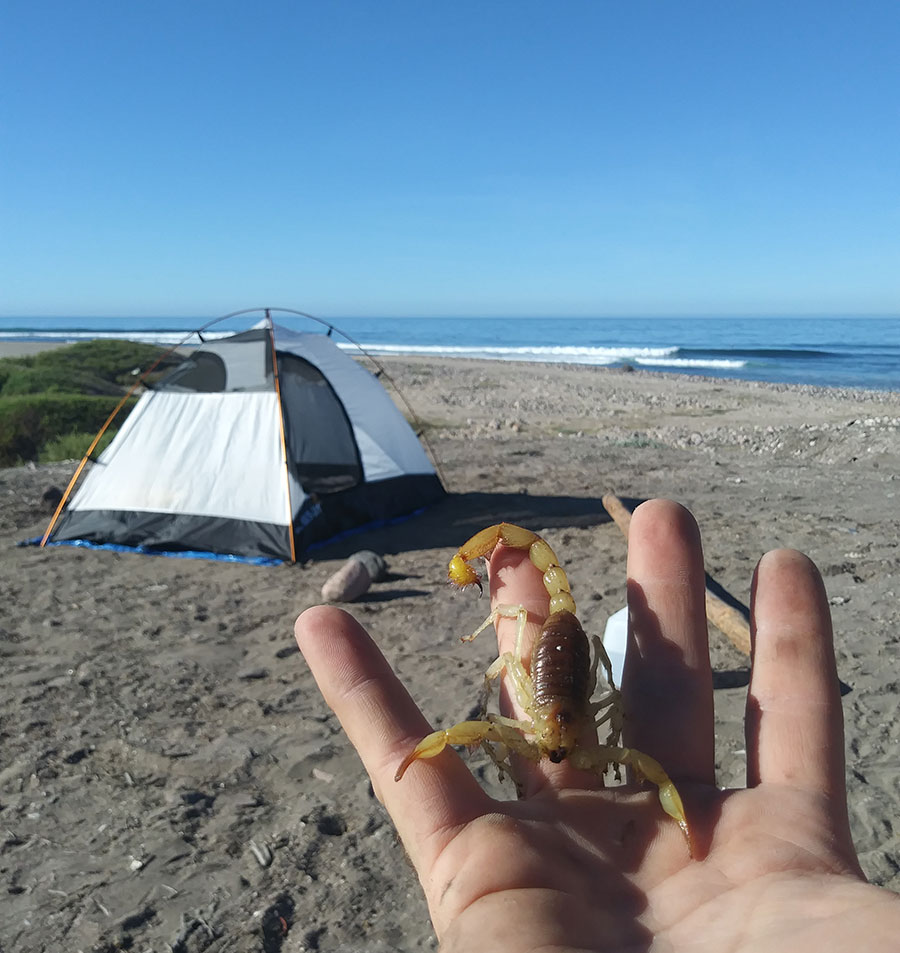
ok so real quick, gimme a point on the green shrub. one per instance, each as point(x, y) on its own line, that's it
point(110, 360)
point(89, 367)
point(30, 380)
point(73, 446)
point(28, 422)
point(49, 401)
point(36, 380)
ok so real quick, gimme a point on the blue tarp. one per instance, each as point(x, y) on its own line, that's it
point(175, 554)
point(219, 557)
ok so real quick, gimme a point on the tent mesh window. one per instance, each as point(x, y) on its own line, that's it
point(321, 446)
point(203, 372)
point(240, 363)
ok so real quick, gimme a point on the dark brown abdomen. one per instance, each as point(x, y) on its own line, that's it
point(561, 663)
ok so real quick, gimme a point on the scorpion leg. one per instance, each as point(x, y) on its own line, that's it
point(608, 702)
point(525, 696)
point(465, 733)
point(611, 705)
point(645, 767)
point(488, 621)
point(613, 715)
point(520, 678)
point(504, 612)
point(469, 733)
point(600, 655)
point(512, 742)
point(511, 662)
point(611, 700)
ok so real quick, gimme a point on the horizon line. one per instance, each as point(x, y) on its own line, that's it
point(672, 316)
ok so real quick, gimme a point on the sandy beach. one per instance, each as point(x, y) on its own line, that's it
point(171, 779)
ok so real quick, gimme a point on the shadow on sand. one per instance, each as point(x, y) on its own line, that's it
point(460, 515)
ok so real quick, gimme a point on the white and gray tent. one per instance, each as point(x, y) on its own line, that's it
point(239, 451)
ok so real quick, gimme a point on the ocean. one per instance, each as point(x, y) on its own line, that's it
point(827, 352)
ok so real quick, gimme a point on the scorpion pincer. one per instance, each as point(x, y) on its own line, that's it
point(555, 691)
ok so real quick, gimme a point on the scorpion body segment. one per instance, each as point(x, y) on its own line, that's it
point(561, 662)
point(561, 682)
point(554, 690)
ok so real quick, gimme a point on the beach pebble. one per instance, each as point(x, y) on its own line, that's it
point(251, 674)
point(262, 853)
point(348, 583)
point(373, 562)
point(354, 577)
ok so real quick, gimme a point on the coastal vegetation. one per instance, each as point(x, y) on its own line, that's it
point(53, 403)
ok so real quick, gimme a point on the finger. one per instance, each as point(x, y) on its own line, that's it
point(794, 723)
point(667, 684)
point(383, 723)
point(515, 580)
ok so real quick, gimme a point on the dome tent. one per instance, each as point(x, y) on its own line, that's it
point(255, 445)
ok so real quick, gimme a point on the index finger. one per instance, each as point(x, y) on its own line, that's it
point(383, 723)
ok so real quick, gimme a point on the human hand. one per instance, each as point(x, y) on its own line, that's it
point(574, 866)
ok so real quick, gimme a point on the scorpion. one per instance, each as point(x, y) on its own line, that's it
point(555, 691)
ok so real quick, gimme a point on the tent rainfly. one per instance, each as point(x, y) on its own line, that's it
point(241, 451)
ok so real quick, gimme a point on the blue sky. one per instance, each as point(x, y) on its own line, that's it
point(373, 157)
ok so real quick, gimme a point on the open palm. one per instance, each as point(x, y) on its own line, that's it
point(573, 866)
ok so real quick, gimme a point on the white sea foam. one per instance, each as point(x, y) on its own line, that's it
point(161, 338)
point(570, 354)
point(560, 354)
point(677, 362)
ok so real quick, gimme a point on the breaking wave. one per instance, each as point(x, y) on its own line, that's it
point(559, 354)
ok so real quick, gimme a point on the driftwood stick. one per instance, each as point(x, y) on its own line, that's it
point(618, 511)
point(728, 620)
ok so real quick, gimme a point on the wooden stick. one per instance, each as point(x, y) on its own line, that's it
point(728, 620)
point(618, 511)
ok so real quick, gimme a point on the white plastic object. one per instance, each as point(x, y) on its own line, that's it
point(615, 641)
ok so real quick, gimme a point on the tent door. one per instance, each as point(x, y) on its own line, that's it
point(320, 442)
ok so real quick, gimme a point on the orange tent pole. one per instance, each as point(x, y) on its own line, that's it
point(284, 455)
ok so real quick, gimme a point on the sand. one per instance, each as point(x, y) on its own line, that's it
point(25, 348)
point(160, 732)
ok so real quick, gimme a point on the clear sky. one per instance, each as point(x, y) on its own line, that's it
point(450, 157)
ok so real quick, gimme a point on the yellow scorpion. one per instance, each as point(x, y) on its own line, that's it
point(556, 695)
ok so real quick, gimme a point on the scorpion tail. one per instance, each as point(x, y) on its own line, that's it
point(461, 574)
